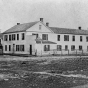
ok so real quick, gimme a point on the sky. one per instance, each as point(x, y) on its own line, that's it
point(59, 13)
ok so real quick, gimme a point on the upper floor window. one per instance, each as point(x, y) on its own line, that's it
point(87, 38)
point(73, 38)
point(66, 47)
point(73, 47)
point(5, 37)
point(58, 37)
point(45, 36)
point(13, 36)
point(9, 37)
point(66, 37)
point(80, 47)
point(23, 36)
point(17, 36)
point(46, 47)
point(81, 38)
point(59, 47)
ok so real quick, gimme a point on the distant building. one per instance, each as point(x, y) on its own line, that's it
point(40, 39)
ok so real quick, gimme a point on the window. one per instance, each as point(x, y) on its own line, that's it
point(17, 36)
point(9, 37)
point(66, 37)
point(46, 47)
point(13, 36)
point(5, 37)
point(59, 47)
point(80, 47)
point(87, 48)
point(23, 37)
point(9, 47)
point(72, 47)
point(45, 36)
point(17, 48)
point(0, 41)
point(21, 47)
point(87, 38)
point(35, 34)
point(58, 37)
point(5, 47)
point(81, 38)
point(73, 38)
point(40, 27)
point(66, 47)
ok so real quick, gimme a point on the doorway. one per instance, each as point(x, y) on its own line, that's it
point(30, 49)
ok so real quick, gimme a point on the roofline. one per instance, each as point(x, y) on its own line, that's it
point(13, 32)
point(19, 31)
point(46, 43)
point(66, 28)
point(71, 33)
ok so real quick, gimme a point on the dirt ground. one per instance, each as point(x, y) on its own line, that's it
point(43, 72)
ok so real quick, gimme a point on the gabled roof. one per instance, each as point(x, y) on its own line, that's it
point(56, 30)
point(20, 27)
point(69, 31)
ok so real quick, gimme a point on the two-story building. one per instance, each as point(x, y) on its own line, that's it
point(40, 39)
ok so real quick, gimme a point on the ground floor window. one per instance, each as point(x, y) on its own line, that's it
point(72, 47)
point(19, 47)
point(9, 47)
point(80, 47)
point(5, 47)
point(59, 47)
point(46, 47)
point(66, 47)
point(87, 48)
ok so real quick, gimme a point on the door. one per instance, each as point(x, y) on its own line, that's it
point(30, 49)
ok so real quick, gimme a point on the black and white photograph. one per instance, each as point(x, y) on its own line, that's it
point(43, 43)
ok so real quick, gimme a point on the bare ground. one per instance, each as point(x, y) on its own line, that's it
point(43, 72)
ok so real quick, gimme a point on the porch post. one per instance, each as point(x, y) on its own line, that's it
point(41, 47)
point(13, 48)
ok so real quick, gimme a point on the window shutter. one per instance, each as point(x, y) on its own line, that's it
point(48, 47)
point(44, 47)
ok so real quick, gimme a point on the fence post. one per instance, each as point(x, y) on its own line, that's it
point(36, 52)
point(53, 51)
point(61, 52)
point(82, 52)
point(76, 52)
point(68, 51)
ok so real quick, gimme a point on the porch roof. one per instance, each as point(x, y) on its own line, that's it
point(45, 42)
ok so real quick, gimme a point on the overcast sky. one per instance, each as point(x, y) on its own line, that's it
point(59, 13)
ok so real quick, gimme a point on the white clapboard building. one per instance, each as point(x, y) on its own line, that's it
point(37, 38)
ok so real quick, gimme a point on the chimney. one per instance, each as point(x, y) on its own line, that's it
point(18, 23)
point(41, 19)
point(79, 28)
point(47, 24)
